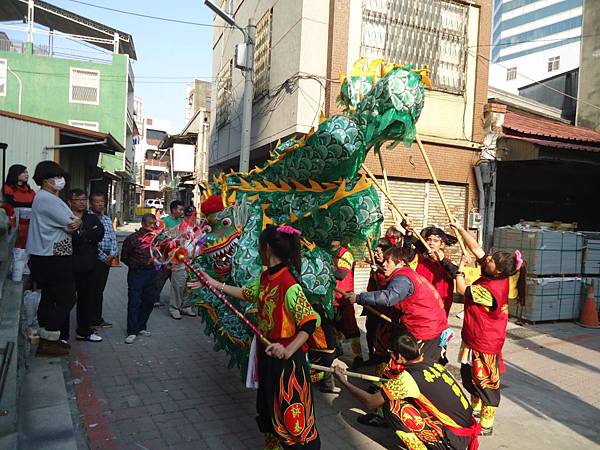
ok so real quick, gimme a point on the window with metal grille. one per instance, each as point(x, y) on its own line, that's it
point(3, 76)
point(429, 33)
point(553, 63)
point(262, 55)
point(84, 86)
point(224, 86)
point(94, 126)
point(511, 73)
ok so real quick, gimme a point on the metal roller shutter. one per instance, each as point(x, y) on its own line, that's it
point(420, 200)
point(409, 195)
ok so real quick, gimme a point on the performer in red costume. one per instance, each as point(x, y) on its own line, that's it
point(484, 326)
point(286, 318)
point(434, 265)
point(422, 402)
point(417, 306)
point(377, 329)
point(345, 318)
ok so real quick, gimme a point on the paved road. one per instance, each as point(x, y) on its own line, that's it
point(172, 391)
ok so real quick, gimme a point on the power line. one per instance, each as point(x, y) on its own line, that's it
point(147, 16)
point(533, 41)
point(156, 79)
point(540, 83)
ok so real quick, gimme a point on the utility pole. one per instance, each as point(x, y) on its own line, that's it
point(246, 64)
point(249, 36)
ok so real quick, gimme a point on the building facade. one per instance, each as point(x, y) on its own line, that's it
point(303, 47)
point(534, 40)
point(198, 95)
point(91, 93)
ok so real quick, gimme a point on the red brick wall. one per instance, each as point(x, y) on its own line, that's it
point(450, 164)
point(337, 51)
point(482, 71)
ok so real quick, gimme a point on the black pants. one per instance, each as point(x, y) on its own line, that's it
point(85, 303)
point(141, 293)
point(372, 323)
point(54, 276)
point(99, 277)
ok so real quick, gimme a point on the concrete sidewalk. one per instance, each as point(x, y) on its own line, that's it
point(172, 391)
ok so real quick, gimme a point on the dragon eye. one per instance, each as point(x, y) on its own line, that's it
point(226, 222)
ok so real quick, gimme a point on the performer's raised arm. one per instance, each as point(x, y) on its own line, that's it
point(469, 239)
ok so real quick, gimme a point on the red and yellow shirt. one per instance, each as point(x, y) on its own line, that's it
point(282, 306)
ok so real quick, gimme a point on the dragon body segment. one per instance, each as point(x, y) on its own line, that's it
point(313, 184)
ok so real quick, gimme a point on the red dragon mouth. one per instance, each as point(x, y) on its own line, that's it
point(222, 251)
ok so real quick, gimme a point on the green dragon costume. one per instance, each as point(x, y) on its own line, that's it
point(313, 184)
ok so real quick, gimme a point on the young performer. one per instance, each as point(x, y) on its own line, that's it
point(345, 318)
point(374, 325)
point(422, 402)
point(484, 326)
point(286, 318)
point(416, 304)
point(435, 267)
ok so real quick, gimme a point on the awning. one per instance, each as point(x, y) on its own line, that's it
point(65, 21)
point(125, 176)
point(168, 142)
point(554, 144)
point(105, 142)
point(111, 176)
point(541, 128)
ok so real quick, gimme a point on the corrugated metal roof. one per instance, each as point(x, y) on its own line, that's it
point(111, 142)
point(537, 126)
point(26, 141)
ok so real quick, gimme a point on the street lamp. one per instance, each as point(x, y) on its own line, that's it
point(247, 67)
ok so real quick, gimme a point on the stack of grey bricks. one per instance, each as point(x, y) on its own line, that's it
point(554, 277)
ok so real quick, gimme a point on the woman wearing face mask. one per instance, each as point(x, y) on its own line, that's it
point(49, 244)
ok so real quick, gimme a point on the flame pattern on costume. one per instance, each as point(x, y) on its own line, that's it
point(293, 415)
point(407, 418)
point(485, 370)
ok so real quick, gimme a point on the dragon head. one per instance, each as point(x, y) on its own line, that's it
point(386, 100)
point(222, 236)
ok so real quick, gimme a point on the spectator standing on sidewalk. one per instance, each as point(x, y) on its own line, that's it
point(85, 255)
point(108, 253)
point(18, 197)
point(141, 279)
point(178, 300)
point(50, 246)
point(173, 220)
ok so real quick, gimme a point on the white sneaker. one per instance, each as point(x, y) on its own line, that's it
point(145, 333)
point(175, 314)
point(189, 311)
point(91, 338)
point(130, 339)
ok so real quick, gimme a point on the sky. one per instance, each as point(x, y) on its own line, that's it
point(169, 55)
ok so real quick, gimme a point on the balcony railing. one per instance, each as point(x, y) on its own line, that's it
point(131, 77)
point(11, 46)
